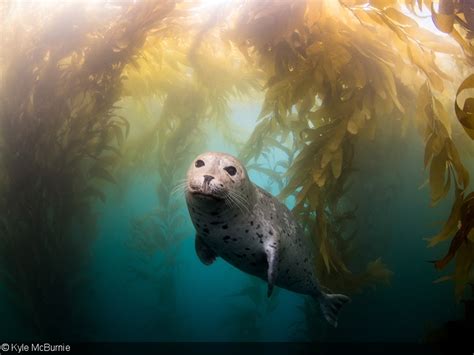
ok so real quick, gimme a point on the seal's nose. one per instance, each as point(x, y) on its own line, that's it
point(207, 179)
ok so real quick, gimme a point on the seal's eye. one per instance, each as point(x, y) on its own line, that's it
point(231, 170)
point(198, 163)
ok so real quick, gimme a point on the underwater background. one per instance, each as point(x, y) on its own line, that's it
point(105, 105)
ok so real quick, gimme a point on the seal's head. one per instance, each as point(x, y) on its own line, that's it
point(216, 178)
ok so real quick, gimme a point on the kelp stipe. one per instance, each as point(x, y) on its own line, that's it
point(62, 75)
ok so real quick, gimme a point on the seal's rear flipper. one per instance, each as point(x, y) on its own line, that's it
point(331, 305)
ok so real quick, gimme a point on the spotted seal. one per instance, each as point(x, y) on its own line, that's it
point(249, 228)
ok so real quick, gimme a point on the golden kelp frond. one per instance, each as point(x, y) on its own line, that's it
point(461, 225)
point(466, 114)
point(415, 42)
point(338, 82)
point(342, 69)
point(455, 18)
point(440, 152)
point(208, 73)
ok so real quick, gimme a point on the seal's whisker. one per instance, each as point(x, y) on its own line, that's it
point(238, 195)
point(231, 202)
point(238, 202)
point(234, 202)
point(242, 205)
point(181, 183)
point(180, 188)
point(239, 199)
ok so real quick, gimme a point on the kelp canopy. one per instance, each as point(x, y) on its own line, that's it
point(77, 79)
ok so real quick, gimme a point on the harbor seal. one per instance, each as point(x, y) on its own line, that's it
point(250, 229)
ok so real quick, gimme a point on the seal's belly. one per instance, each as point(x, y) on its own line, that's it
point(243, 247)
point(239, 248)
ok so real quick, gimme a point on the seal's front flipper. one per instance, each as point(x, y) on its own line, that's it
point(272, 260)
point(331, 304)
point(205, 254)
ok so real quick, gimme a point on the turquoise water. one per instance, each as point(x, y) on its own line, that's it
point(187, 301)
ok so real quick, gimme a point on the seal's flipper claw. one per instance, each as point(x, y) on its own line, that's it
point(270, 290)
point(205, 254)
point(272, 259)
point(331, 304)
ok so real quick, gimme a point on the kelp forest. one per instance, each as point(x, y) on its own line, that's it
point(337, 107)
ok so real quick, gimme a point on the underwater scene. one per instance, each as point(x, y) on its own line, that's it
point(237, 171)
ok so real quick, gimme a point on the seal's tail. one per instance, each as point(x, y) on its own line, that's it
point(331, 304)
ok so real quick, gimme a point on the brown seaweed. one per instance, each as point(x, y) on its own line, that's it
point(330, 64)
point(76, 88)
point(61, 77)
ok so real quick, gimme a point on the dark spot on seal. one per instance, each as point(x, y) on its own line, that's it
point(234, 239)
point(246, 231)
point(287, 271)
point(305, 260)
point(214, 213)
point(206, 230)
point(235, 215)
point(215, 222)
point(251, 223)
point(198, 225)
point(227, 237)
point(271, 233)
point(253, 263)
point(258, 226)
point(225, 226)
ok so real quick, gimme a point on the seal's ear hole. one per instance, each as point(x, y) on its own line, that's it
point(198, 163)
point(231, 170)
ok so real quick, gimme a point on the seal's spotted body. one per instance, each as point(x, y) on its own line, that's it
point(251, 229)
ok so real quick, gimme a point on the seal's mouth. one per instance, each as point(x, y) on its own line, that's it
point(205, 195)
